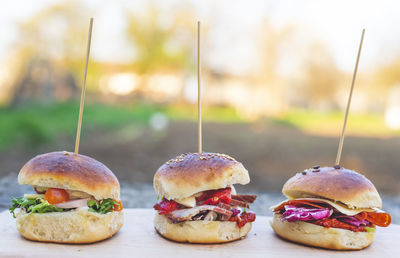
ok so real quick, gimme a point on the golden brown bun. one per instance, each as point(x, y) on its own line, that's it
point(201, 232)
point(192, 173)
point(340, 185)
point(67, 170)
point(318, 236)
point(77, 227)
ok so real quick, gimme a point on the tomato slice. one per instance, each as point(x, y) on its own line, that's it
point(213, 197)
point(381, 219)
point(166, 206)
point(361, 216)
point(243, 218)
point(118, 207)
point(56, 195)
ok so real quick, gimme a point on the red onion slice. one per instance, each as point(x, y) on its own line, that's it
point(73, 204)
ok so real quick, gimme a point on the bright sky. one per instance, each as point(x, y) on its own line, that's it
point(231, 39)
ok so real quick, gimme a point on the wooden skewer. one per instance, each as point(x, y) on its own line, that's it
point(199, 90)
point(339, 153)
point(78, 131)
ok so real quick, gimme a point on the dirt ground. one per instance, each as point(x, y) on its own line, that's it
point(272, 153)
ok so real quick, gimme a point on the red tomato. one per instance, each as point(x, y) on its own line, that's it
point(118, 207)
point(244, 218)
point(56, 195)
point(381, 219)
point(166, 206)
point(216, 196)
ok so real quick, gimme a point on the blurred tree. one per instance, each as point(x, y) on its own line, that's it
point(163, 40)
point(50, 50)
point(321, 78)
point(274, 43)
point(388, 74)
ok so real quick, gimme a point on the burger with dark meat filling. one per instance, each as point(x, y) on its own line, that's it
point(329, 207)
point(197, 200)
point(77, 200)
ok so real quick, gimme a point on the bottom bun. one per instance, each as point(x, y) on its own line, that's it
point(319, 236)
point(199, 231)
point(77, 226)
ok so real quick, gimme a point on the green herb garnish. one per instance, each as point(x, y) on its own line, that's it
point(368, 229)
point(32, 205)
point(103, 206)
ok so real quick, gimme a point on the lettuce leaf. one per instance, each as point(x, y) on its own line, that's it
point(368, 229)
point(32, 205)
point(104, 206)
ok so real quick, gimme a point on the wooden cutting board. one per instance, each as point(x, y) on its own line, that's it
point(137, 238)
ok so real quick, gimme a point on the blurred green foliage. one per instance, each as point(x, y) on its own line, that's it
point(36, 124)
point(330, 123)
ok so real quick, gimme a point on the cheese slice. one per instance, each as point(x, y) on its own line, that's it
point(188, 202)
point(233, 191)
point(340, 207)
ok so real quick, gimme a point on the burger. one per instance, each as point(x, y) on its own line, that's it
point(329, 207)
point(198, 202)
point(77, 200)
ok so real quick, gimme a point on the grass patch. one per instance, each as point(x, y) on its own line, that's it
point(330, 123)
point(36, 124)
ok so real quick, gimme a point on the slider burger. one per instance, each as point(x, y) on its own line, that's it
point(197, 200)
point(77, 200)
point(329, 207)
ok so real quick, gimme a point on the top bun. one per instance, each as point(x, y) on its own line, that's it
point(334, 183)
point(70, 171)
point(191, 173)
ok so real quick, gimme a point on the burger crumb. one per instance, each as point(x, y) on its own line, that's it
point(304, 173)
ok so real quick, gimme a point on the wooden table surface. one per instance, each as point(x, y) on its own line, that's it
point(137, 238)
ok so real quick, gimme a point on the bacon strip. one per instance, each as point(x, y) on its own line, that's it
point(224, 206)
point(222, 211)
point(187, 214)
point(245, 198)
point(239, 203)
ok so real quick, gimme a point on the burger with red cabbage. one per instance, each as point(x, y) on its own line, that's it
point(329, 207)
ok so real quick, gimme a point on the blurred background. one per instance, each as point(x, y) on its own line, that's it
point(276, 76)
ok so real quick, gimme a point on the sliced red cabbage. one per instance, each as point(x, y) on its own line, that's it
point(353, 221)
point(293, 214)
point(235, 212)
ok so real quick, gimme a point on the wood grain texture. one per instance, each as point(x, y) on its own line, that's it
point(137, 238)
